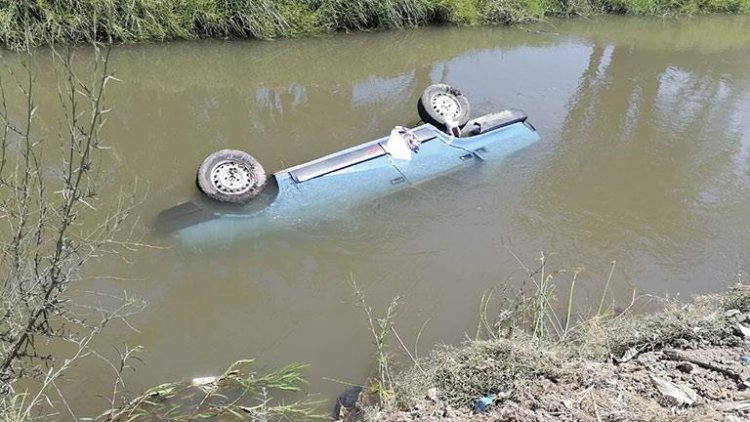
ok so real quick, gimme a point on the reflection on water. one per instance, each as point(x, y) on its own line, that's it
point(644, 159)
point(655, 131)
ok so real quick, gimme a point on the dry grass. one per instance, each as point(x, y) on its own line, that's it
point(475, 369)
point(679, 323)
point(500, 364)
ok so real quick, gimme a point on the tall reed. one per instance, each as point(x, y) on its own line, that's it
point(47, 22)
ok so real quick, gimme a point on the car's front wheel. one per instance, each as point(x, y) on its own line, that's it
point(231, 176)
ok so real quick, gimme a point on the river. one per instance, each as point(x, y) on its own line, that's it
point(644, 160)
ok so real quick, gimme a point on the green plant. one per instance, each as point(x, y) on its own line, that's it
point(534, 309)
point(41, 22)
point(380, 328)
point(240, 393)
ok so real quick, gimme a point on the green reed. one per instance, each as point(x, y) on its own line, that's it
point(43, 22)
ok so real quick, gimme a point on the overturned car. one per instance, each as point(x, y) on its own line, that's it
point(254, 203)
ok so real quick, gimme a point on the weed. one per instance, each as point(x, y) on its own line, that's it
point(240, 393)
point(529, 342)
point(48, 22)
point(380, 328)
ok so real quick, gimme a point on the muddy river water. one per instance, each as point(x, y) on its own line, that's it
point(644, 159)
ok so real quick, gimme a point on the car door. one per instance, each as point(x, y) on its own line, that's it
point(434, 158)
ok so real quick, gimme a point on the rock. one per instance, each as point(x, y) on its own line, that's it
point(675, 395)
point(432, 394)
point(503, 395)
point(349, 404)
point(732, 314)
point(733, 406)
point(647, 360)
point(743, 329)
point(628, 355)
point(685, 367)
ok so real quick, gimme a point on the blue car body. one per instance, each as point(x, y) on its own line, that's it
point(350, 177)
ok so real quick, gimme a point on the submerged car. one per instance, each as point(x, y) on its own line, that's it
point(253, 203)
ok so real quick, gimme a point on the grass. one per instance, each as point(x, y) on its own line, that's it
point(513, 346)
point(381, 329)
point(493, 365)
point(41, 22)
point(240, 393)
point(533, 337)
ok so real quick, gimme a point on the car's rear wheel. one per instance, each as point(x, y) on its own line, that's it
point(231, 176)
point(440, 102)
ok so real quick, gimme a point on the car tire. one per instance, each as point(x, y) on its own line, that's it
point(231, 176)
point(440, 100)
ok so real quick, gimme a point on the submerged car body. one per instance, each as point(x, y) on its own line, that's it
point(352, 176)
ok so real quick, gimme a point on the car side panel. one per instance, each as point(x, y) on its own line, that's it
point(447, 154)
point(350, 185)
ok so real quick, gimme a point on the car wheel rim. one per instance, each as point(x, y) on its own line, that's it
point(232, 178)
point(446, 105)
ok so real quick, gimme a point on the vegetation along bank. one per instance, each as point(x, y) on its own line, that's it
point(689, 362)
point(39, 22)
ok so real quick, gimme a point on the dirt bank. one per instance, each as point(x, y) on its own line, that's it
point(690, 362)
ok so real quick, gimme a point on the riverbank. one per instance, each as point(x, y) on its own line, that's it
point(689, 362)
point(39, 22)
